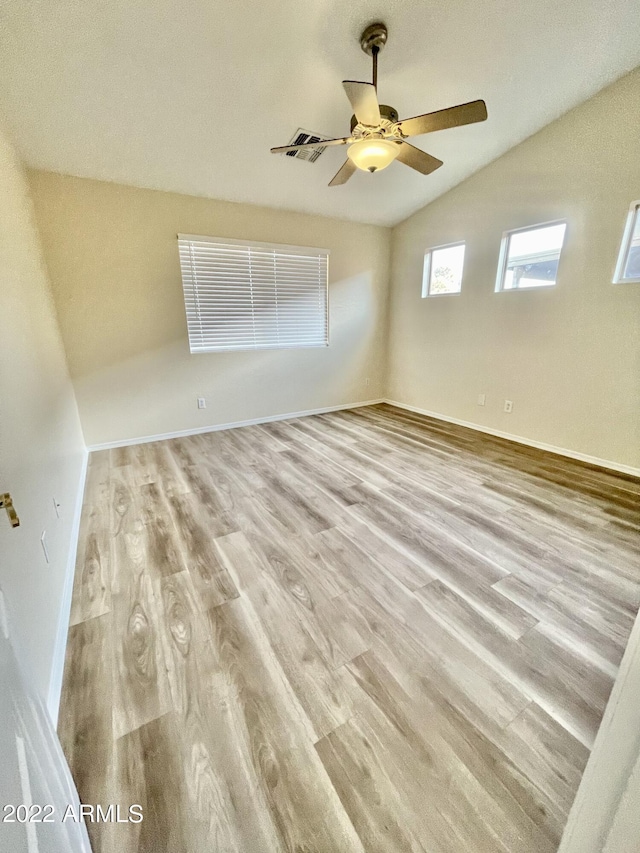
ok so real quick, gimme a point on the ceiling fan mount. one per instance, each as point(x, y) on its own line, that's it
point(374, 37)
point(378, 137)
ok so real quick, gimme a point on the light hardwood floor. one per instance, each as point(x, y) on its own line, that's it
point(361, 631)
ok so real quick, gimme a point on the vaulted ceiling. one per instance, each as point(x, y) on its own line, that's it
point(190, 96)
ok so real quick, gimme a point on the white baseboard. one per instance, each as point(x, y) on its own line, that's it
point(145, 439)
point(60, 647)
point(529, 442)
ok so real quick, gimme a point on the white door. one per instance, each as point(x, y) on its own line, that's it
point(38, 800)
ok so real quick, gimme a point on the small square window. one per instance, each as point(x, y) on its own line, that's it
point(443, 270)
point(628, 266)
point(529, 257)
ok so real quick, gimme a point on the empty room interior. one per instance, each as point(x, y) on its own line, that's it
point(319, 481)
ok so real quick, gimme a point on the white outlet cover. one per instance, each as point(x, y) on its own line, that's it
point(202, 403)
point(482, 399)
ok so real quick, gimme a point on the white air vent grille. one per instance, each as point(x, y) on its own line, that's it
point(310, 154)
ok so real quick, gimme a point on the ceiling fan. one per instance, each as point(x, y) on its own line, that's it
point(377, 136)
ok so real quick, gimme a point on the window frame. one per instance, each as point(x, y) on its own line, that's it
point(312, 251)
point(504, 255)
point(426, 269)
point(633, 215)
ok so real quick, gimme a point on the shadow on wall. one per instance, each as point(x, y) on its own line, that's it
point(154, 391)
point(158, 321)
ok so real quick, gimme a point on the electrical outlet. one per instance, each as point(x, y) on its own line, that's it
point(508, 406)
point(202, 403)
point(367, 381)
point(482, 399)
point(43, 542)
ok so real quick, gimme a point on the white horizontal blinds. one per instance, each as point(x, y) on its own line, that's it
point(253, 295)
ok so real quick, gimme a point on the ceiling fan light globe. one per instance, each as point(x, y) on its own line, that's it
point(372, 155)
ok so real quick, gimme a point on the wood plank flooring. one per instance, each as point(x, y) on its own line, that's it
point(360, 632)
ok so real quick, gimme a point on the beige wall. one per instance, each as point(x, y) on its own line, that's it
point(41, 447)
point(569, 356)
point(113, 258)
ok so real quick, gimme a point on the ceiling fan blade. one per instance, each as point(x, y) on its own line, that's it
point(443, 119)
point(417, 159)
point(364, 100)
point(322, 143)
point(343, 174)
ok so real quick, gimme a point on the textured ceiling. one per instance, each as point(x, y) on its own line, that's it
point(189, 97)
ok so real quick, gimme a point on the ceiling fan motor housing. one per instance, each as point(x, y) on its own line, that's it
point(387, 113)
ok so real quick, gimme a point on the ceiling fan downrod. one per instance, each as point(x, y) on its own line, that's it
point(372, 40)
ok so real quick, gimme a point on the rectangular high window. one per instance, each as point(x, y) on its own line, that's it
point(628, 266)
point(242, 295)
point(529, 257)
point(442, 272)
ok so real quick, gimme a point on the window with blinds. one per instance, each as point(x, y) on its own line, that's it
point(241, 295)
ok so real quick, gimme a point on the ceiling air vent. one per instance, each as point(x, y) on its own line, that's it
point(311, 154)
